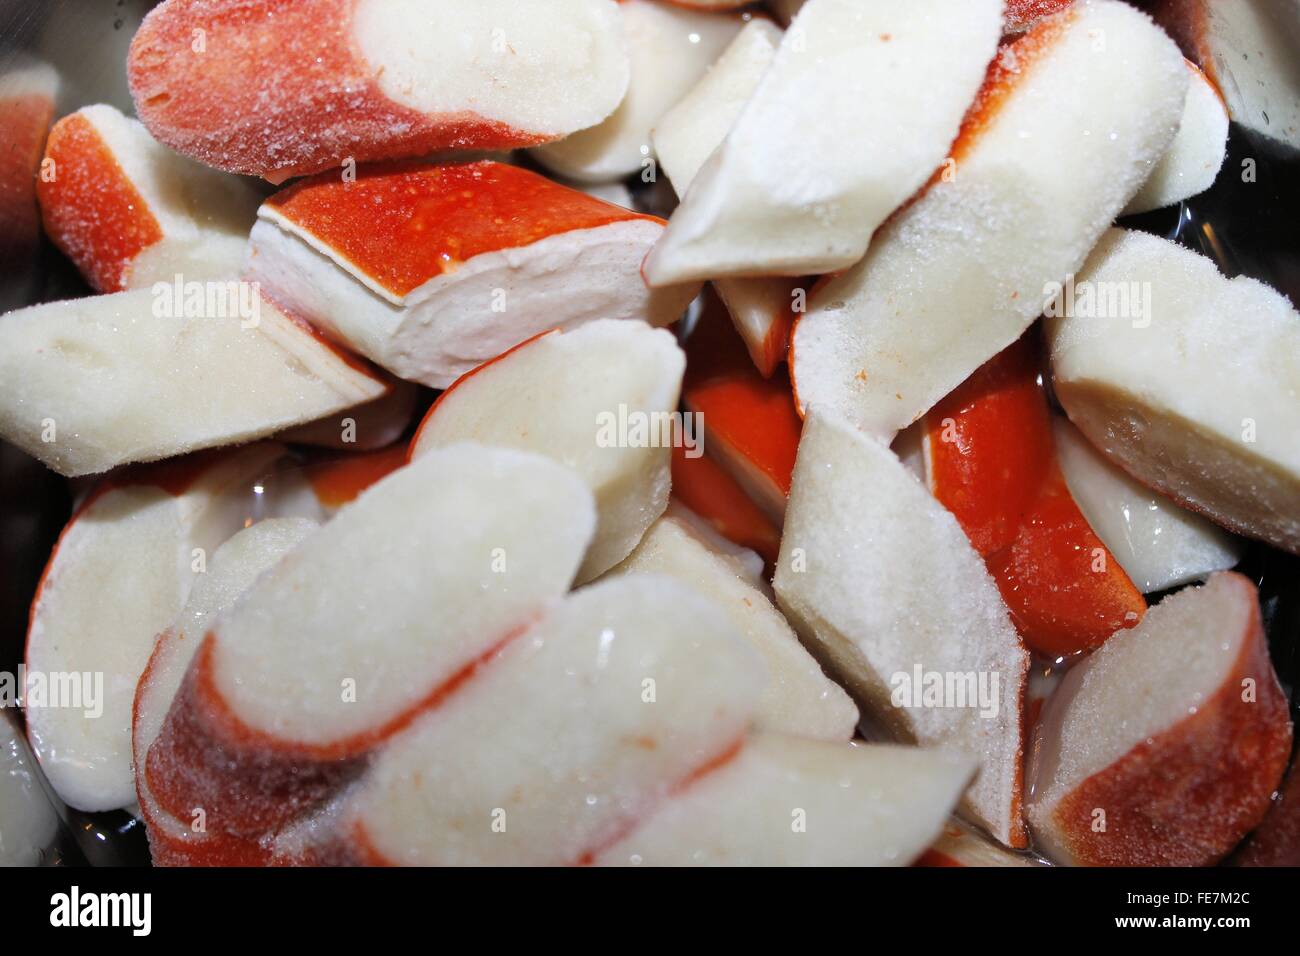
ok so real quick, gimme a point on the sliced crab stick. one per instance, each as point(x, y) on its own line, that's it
point(130, 212)
point(600, 399)
point(621, 694)
point(28, 90)
point(374, 425)
point(1193, 160)
point(794, 192)
point(750, 423)
point(1192, 387)
point(232, 569)
point(684, 138)
point(669, 49)
point(279, 89)
point(366, 624)
point(1165, 746)
point(432, 270)
point(992, 462)
point(965, 269)
point(117, 577)
point(880, 579)
point(703, 486)
point(89, 384)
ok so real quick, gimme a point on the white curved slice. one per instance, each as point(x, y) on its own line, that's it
point(1196, 154)
point(612, 700)
point(405, 269)
point(858, 108)
point(117, 577)
point(1194, 389)
point(600, 399)
point(1157, 543)
point(783, 801)
point(684, 138)
point(89, 384)
point(963, 271)
point(799, 699)
point(129, 212)
point(890, 587)
point(669, 48)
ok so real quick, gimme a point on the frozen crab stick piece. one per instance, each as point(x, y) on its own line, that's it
point(893, 597)
point(1187, 380)
point(89, 384)
point(432, 270)
point(616, 697)
point(750, 423)
point(965, 269)
point(1247, 49)
point(366, 623)
point(232, 570)
point(1159, 544)
point(799, 699)
point(279, 89)
point(129, 212)
point(28, 89)
point(117, 577)
point(1164, 747)
point(684, 138)
point(783, 801)
point(600, 399)
point(794, 192)
point(703, 486)
point(991, 461)
point(669, 48)
point(1193, 160)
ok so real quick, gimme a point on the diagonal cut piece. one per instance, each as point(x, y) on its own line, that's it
point(965, 269)
point(896, 601)
point(432, 270)
point(279, 89)
point(793, 193)
point(1164, 747)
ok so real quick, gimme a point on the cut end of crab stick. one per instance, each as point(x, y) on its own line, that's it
point(129, 212)
point(893, 597)
point(89, 384)
point(750, 424)
point(799, 698)
point(28, 88)
point(116, 578)
point(783, 801)
point(1247, 49)
point(376, 424)
point(1164, 747)
point(1187, 380)
point(991, 461)
point(600, 399)
point(669, 49)
point(278, 89)
point(363, 626)
point(432, 270)
point(804, 176)
point(1159, 544)
point(1196, 154)
point(622, 694)
point(960, 273)
point(232, 569)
